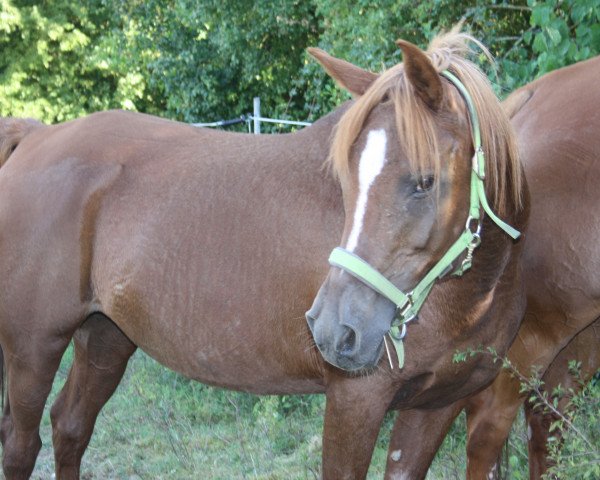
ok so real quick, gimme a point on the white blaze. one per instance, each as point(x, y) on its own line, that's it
point(372, 160)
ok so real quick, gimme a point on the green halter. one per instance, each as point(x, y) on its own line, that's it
point(409, 304)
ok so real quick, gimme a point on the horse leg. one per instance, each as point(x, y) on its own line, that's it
point(354, 412)
point(583, 348)
point(490, 415)
point(415, 439)
point(31, 363)
point(101, 355)
point(538, 432)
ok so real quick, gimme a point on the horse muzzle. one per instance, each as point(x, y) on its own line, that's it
point(346, 333)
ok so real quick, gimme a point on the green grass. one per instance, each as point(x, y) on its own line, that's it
point(159, 425)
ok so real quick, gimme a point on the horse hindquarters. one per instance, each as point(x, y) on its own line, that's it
point(12, 131)
point(101, 355)
point(43, 295)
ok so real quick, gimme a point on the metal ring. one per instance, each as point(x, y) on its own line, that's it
point(403, 331)
point(468, 225)
point(401, 335)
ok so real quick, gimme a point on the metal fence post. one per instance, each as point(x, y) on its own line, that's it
point(256, 115)
point(252, 121)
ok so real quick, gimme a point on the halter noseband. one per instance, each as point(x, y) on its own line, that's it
point(409, 304)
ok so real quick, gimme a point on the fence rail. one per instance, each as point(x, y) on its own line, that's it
point(255, 120)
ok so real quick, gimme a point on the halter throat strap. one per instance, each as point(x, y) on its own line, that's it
point(409, 304)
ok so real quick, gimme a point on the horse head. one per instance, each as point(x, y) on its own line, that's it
point(418, 153)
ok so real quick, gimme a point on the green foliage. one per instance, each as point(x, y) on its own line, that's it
point(51, 63)
point(575, 453)
point(563, 32)
point(207, 60)
point(204, 61)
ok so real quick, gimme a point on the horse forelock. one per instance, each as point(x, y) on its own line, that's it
point(415, 121)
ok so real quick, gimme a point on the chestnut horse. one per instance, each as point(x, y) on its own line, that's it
point(557, 123)
point(205, 248)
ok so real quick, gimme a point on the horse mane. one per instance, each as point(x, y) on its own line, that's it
point(12, 131)
point(415, 121)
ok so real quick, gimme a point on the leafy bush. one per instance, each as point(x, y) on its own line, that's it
point(203, 61)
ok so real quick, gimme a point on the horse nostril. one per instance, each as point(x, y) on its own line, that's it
point(310, 319)
point(347, 345)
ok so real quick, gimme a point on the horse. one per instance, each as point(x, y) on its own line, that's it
point(205, 249)
point(556, 122)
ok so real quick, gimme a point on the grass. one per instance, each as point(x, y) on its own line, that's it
point(159, 425)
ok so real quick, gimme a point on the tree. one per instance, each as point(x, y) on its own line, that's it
point(57, 64)
point(204, 61)
point(208, 59)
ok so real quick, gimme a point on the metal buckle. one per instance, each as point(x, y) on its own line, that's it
point(475, 163)
point(400, 318)
point(402, 310)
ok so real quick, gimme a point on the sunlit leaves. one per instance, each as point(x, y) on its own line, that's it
point(204, 61)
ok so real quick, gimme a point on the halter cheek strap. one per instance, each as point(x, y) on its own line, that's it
point(409, 304)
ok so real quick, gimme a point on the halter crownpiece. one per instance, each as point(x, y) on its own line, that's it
point(409, 304)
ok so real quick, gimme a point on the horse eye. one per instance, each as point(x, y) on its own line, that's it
point(424, 183)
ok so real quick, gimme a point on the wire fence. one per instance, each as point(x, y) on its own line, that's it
point(253, 120)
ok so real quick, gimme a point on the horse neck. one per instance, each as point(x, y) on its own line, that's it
point(494, 277)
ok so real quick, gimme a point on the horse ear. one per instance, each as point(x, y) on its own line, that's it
point(352, 78)
point(422, 75)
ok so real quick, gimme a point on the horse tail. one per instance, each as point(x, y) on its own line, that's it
point(12, 131)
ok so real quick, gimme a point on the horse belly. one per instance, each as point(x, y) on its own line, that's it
point(228, 350)
point(208, 310)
